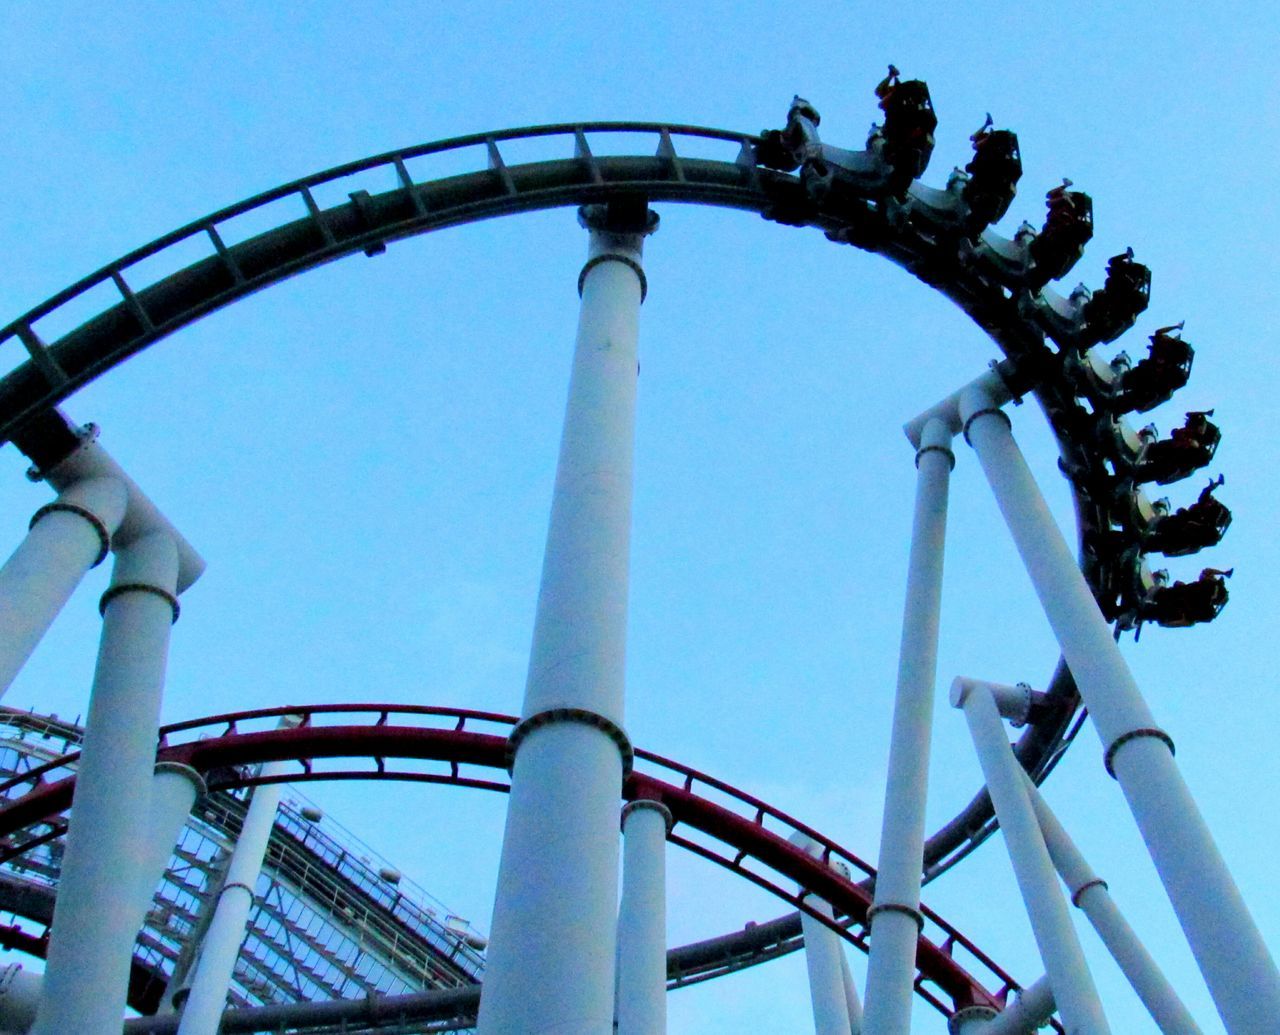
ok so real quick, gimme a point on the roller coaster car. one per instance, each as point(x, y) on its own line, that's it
point(1068, 227)
point(994, 172)
point(1185, 451)
point(906, 138)
point(1189, 529)
point(1187, 603)
point(1113, 309)
point(1153, 380)
point(785, 149)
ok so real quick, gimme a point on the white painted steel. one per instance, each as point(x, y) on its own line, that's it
point(174, 790)
point(947, 412)
point(642, 921)
point(94, 919)
point(1228, 947)
point(44, 571)
point(1092, 896)
point(1073, 987)
point(1025, 1014)
point(823, 957)
point(19, 997)
point(891, 963)
point(1013, 702)
point(551, 962)
point(851, 1001)
point(202, 1011)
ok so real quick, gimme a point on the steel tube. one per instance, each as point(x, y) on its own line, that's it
point(642, 920)
point(95, 918)
point(174, 790)
point(896, 919)
point(1090, 894)
point(551, 963)
point(65, 541)
point(1073, 987)
point(202, 1011)
point(1227, 945)
point(824, 960)
point(1024, 1016)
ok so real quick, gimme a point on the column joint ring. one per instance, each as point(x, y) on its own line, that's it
point(139, 587)
point(99, 526)
point(1124, 738)
point(1097, 882)
point(596, 260)
point(951, 457)
point(990, 411)
point(582, 715)
point(895, 907)
point(649, 803)
point(235, 884)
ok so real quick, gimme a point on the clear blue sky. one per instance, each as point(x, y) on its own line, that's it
point(364, 455)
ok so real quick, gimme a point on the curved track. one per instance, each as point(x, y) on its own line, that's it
point(443, 745)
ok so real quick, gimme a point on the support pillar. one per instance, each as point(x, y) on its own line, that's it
point(93, 930)
point(67, 538)
point(1073, 987)
point(895, 917)
point(824, 960)
point(1089, 893)
point(1026, 1014)
point(1227, 945)
point(642, 920)
point(550, 968)
point(202, 1011)
point(174, 790)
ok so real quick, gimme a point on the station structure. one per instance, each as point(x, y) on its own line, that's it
point(163, 869)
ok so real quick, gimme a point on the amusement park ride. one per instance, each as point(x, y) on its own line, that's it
point(89, 831)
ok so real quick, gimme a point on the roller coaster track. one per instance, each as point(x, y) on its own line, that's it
point(451, 746)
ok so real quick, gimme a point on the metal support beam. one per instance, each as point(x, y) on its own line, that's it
point(1228, 947)
point(825, 962)
point(1090, 894)
point(95, 918)
point(1026, 1014)
point(550, 969)
point(642, 919)
point(896, 920)
point(1073, 987)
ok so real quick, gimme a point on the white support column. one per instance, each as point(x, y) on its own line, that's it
point(895, 915)
point(851, 1001)
point(174, 790)
point(642, 919)
point(1024, 1016)
point(1090, 894)
point(1228, 947)
point(1073, 987)
point(94, 920)
point(67, 538)
point(824, 959)
point(202, 1011)
point(551, 963)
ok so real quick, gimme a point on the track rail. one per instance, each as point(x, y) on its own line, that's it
point(463, 748)
point(684, 164)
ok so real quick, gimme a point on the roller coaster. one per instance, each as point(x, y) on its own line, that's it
point(566, 760)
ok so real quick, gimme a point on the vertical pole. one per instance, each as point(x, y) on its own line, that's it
point(94, 920)
point(1228, 947)
point(1060, 950)
point(824, 960)
point(174, 790)
point(1089, 893)
point(67, 538)
point(895, 915)
point(642, 920)
point(851, 1001)
point(202, 1012)
point(550, 969)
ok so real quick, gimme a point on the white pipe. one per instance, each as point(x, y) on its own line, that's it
point(66, 539)
point(551, 962)
point(1073, 987)
point(95, 916)
point(851, 1001)
point(642, 920)
point(19, 997)
point(822, 956)
point(1090, 894)
point(992, 383)
point(1024, 1015)
point(1228, 947)
point(895, 913)
point(1013, 702)
point(174, 789)
point(202, 1011)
